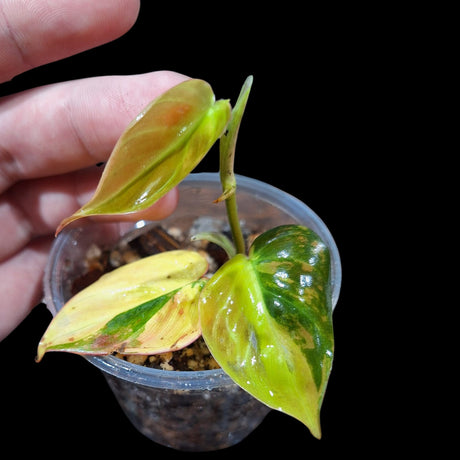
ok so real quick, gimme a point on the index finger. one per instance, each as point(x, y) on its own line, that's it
point(34, 32)
point(67, 126)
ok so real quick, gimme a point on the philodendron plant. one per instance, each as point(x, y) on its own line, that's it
point(265, 315)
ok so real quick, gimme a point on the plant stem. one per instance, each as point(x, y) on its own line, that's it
point(232, 213)
point(227, 148)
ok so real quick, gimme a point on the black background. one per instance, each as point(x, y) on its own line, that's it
point(308, 129)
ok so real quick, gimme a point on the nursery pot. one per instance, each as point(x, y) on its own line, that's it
point(189, 410)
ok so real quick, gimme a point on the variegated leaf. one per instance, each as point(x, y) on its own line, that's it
point(148, 306)
point(158, 149)
point(267, 320)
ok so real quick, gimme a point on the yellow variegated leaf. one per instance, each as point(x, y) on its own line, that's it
point(267, 320)
point(147, 307)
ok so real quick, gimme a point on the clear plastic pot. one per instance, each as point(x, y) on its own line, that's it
point(193, 410)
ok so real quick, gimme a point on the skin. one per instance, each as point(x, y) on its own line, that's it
point(52, 137)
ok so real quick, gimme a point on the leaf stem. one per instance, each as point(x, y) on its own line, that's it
point(227, 148)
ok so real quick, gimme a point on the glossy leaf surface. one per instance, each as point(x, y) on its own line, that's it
point(158, 149)
point(148, 306)
point(267, 320)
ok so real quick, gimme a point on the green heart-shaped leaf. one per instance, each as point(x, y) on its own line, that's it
point(147, 307)
point(158, 149)
point(267, 320)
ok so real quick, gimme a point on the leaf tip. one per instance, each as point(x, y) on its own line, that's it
point(312, 422)
point(67, 221)
point(60, 227)
point(41, 350)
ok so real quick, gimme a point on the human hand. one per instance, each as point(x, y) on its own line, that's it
point(52, 137)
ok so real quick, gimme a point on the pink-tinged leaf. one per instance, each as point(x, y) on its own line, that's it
point(147, 307)
point(158, 149)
